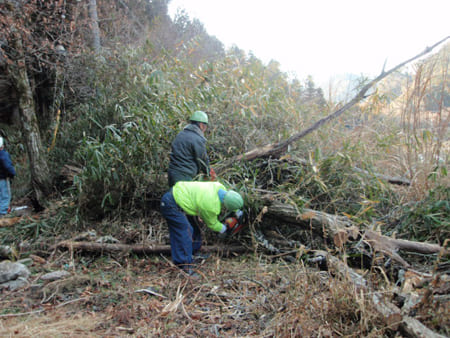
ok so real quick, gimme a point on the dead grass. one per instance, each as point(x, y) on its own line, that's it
point(52, 324)
point(234, 297)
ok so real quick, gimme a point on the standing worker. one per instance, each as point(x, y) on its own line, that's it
point(188, 157)
point(7, 171)
point(202, 199)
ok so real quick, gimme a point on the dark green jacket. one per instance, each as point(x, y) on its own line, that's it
point(188, 157)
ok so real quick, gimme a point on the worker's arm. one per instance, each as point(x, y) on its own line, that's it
point(211, 221)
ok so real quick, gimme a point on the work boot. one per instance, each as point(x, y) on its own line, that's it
point(189, 269)
point(191, 273)
point(200, 257)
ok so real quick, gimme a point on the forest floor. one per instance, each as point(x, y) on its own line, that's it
point(237, 296)
point(250, 295)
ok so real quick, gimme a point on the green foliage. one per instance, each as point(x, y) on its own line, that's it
point(34, 231)
point(428, 219)
point(328, 184)
point(122, 134)
point(142, 97)
point(120, 168)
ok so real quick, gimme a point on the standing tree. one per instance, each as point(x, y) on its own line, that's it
point(33, 37)
point(94, 24)
point(37, 41)
point(25, 50)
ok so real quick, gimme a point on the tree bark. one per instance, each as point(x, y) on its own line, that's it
point(391, 314)
point(94, 25)
point(139, 248)
point(40, 173)
point(340, 230)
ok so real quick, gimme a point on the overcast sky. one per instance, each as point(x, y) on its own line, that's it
point(324, 38)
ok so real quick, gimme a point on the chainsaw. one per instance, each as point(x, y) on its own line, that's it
point(235, 222)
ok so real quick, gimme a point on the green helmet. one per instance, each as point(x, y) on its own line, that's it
point(199, 116)
point(233, 201)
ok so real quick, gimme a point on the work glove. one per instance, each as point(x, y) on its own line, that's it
point(224, 232)
point(212, 174)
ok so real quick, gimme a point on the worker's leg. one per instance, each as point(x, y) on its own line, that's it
point(5, 196)
point(196, 234)
point(180, 231)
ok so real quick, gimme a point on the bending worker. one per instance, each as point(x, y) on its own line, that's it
point(203, 199)
point(188, 157)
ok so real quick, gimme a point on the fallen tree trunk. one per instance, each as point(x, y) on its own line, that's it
point(390, 246)
point(340, 230)
point(139, 248)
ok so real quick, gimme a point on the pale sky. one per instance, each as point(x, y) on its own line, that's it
point(324, 38)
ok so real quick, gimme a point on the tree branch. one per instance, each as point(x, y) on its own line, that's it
point(278, 148)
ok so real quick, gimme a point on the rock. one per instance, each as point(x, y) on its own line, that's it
point(14, 284)
point(90, 235)
point(55, 275)
point(107, 239)
point(13, 275)
point(25, 261)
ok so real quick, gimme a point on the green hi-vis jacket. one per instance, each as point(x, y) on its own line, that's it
point(200, 199)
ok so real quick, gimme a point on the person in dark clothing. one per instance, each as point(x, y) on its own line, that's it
point(188, 157)
point(7, 171)
point(188, 160)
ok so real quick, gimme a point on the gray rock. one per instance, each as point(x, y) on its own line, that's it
point(55, 275)
point(107, 239)
point(14, 284)
point(13, 275)
point(25, 261)
point(90, 235)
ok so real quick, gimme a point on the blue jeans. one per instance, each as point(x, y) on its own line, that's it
point(185, 235)
point(5, 196)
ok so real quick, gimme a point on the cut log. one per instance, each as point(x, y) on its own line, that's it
point(390, 246)
point(390, 313)
point(414, 328)
point(140, 248)
point(326, 224)
point(11, 221)
point(340, 229)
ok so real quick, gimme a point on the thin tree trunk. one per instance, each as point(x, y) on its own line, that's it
point(94, 25)
point(40, 173)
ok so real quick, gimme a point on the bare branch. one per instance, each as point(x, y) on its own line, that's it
point(275, 149)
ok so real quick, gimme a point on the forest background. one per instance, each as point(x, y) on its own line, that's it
point(93, 93)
